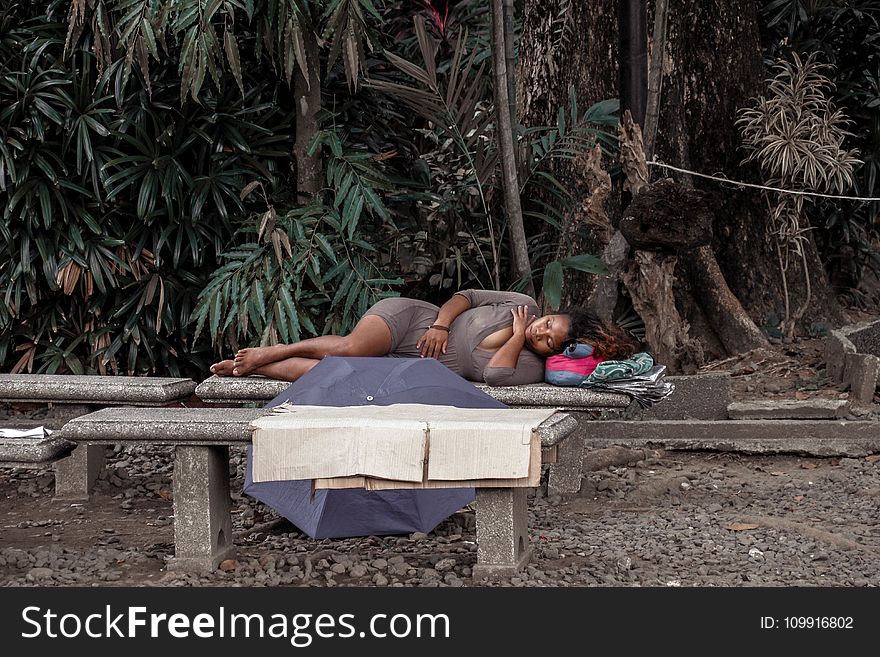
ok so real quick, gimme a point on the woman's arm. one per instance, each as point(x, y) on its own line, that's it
point(434, 341)
point(508, 355)
point(494, 297)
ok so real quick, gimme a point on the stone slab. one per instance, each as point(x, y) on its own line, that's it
point(34, 450)
point(239, 390)
point(212, 426)
point(813, 437)
point(861, 371)
point(565, 398)
point(163, 426)
point(696, 397)
point(95, 390)
point(865, 336)
point(837, 346)
point(232, 390)
point(789, 409)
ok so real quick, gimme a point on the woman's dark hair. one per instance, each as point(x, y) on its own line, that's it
point(610, 341)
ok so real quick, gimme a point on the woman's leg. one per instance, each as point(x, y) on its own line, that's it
point(371, 337)
point(289, 369)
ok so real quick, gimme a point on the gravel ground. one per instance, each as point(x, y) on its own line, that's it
point(682, 519)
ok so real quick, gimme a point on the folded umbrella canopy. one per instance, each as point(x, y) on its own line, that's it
point(345, 512)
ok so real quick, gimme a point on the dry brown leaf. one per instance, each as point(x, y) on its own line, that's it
point(835, 461)
point(776, 473)
point(741, 526)
point(809, 466)
point(873, 458)
point(165, 494)
point(800, 395)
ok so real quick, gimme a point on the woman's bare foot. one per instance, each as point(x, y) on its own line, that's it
point(223, 368)
point(248, 360)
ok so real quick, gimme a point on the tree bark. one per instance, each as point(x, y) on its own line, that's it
point(591, 214)
point(504, 131)
point(633, 58)
point(650, 280)
point(558, 49)
point(649, 276)
point(307, 96)
point(655, 76)
point(510, 59)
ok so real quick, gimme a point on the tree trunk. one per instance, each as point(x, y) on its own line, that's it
point(650, 280)
point(558, 49)
point(591, 214)
point(510, 59)
point(633, 58)
point(712, 67)
point(307, 96)
point(715, 68)
point(655, 76)
point(649, 276)
point(507, 155)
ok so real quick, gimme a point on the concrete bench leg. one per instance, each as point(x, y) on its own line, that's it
point(75, 475)
point(502, 532)
point(202, 521)
point(564, 477)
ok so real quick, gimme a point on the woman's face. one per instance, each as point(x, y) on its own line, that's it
point(546, 334)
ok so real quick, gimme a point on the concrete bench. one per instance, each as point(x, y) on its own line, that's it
point(33, 452)
point(202, 521)
point(565, 460)
point(76, 470)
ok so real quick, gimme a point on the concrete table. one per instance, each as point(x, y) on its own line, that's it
point(75, 474)
point(566, 468)
point(202, 520)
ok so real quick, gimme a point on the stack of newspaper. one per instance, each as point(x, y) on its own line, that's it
point(647, 388)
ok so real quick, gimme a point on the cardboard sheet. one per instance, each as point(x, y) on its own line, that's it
point(415, 443)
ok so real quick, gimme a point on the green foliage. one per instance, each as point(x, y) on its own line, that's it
point(205, 37)
point(148, 212)
point(573, 134)
point(306, 268)
point(456, 103)
point(847, 35)
point(552, 285)
point(116, 199)
point(797, 137)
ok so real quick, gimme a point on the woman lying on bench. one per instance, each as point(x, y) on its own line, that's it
point(482, 335)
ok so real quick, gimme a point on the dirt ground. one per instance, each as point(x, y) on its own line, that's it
point(681, 519)
point(675, 519)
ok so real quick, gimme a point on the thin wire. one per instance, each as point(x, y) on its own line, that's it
point(753, 186)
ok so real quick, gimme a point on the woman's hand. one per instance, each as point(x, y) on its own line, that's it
point(521, 320)
point(433, 343)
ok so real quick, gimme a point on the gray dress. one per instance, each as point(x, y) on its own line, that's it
point(408, 320)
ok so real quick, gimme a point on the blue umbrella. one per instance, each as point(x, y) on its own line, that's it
point(345, 512)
